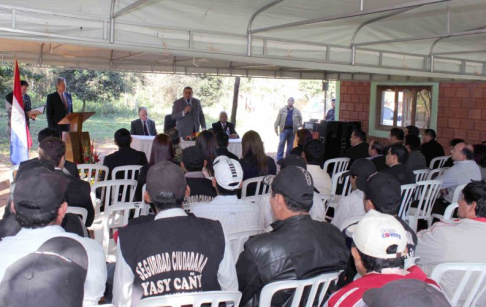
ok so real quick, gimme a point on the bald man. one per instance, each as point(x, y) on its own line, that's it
point(223, 125)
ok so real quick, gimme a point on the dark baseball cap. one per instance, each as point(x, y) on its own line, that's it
point(292, 160)
point(193, 158)
point(363, 169)
point(165, 176)
point(384, 191)
point(296, 183)
point(33, 163)
point(405, 293)
point(42, 187)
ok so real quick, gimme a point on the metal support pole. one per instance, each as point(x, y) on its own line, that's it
point(112, 22)
point(263, 8)
point(449, 17)
point(248, 52)
point(353, 55)
point(432, 63)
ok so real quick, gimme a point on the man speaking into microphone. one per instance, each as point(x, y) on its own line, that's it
point(188, 113)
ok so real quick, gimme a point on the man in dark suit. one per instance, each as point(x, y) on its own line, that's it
point(24, 86)
point(376, 152)
point(188, 113)
point(225, 126)
point(222, 150)
point(396, 159)
point(58, 105)
point(143, 125)
point(125, 154)
point(359, 147)
point(430, 147)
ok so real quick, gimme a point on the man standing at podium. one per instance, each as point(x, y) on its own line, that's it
point(188, 113)
point(58, 105)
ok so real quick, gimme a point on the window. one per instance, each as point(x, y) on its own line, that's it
point(400, 106)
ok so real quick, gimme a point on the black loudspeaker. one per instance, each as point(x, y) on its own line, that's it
point(335, 137)
point(169, 123)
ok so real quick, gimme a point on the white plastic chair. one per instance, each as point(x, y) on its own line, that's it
point(421, 174)
point(337, 180)
point(261, 188)
point(438, 162)
point(407, 196)
point(453, 206)
point(13, 173)
point(93, 173)
point(427, 192)
point(299, 285)
point(479, 271)
point(326, 200)
point(78, 211)
point(116, 217)
point(113, 192)
point(237, 241)
point(129, 172)
point(338, 165)
point(195, 299)
point(433, 174)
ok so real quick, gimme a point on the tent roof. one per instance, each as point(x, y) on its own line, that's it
point(311, 39)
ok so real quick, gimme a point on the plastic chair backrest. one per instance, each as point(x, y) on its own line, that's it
point(237, 241)
point(421, 174)
point(326, 200)
point(407, 197)
point(78, 211)
point(299, 285)
point(93, 173)
point(13, 173)
point(457, 193)
point(468, 268)
point(261, 188)
point(338, 165)
point(117, 192)
point(427, 192)
point(433, 174)
point(195, 299)
point(340, 179)
point(449, 211)
point(438, 162)
point(129, 172)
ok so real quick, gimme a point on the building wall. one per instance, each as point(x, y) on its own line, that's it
point(461, 113)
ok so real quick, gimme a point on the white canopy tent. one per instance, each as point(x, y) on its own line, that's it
point(308, 39)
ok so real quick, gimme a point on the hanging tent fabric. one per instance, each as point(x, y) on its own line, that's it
point(308, 39)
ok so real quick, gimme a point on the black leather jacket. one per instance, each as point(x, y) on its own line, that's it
point(297, 248)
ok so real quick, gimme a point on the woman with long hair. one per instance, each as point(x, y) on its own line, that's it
point(162, 150)
point(302, 136)
point(206, 141)
point(254, 161)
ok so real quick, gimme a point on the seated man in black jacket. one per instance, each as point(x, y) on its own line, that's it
point(223, 125)
point(125, 154)
point(297, 248)
point(396, 159)
point(222, 150)
point(359, 147)
point(430, 147)
point(377, 155)
point(201, 188)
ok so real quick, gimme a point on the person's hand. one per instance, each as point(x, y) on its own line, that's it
point(187, 109)
point(233, 136)
point(33, 116)
point(276, 131)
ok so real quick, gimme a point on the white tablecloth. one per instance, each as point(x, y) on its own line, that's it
point(144, 143)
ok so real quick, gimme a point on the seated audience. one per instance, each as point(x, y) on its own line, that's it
point(223, 125)
point(457, 240)
point(352, 205)
point(396, 136)
point(430, 147)
point(223, 142)
point(297, 248)
point(480, 158)
point(162, 150)
point(206, 141)
point(167, 240)
point(377, 155)
point(302, 136)
point(40, 206)
point(359, 147)
point(416, 159)
point(143, 125)
point(396, 159)
point(379, 250)
point(201, 188)
point(235, 214)
point(463, 171)
point(125, 154)
point(313, 154)
point(176, 144)
point(412, 130)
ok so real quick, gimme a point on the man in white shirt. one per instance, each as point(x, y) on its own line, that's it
point(458, 240)
point(235, 214)
point(40, 208)
point(313, 153)
point(175, 253)
point(352, 205)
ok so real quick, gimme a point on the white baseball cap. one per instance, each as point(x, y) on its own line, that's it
point(376, 232)
point(228, 173)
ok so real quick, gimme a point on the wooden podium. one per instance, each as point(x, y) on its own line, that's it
point(75, 139)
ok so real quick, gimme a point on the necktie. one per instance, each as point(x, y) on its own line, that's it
point(64, 101)
point(145, 130)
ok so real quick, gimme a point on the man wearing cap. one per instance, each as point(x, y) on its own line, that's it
point(459, 240)
point(297, 248)
point(175, 253)
point(40, 207)
point(202, 189)
point(313, 154)
point(235, 214)
point(352, 205)
point(396, 159)
point(379, 250)
point(288, 121)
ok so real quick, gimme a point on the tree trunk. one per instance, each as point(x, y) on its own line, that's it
point(84, 105)
point(236, 93)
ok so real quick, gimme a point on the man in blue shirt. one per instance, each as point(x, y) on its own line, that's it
point(288, 121)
